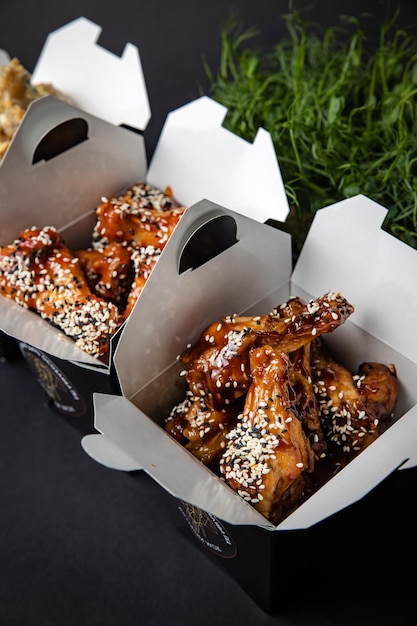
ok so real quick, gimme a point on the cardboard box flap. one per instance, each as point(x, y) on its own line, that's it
point(158, 454)
point(110, 455)
point(177, 301)
point(346, 250)
point(64, 188)
point(206, 160)
point(97, 81)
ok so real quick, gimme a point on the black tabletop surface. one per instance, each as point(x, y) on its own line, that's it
point(82, 544)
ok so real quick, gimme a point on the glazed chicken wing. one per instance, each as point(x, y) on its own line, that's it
point(305, 399)
point(39, 272)
point(142, 216)
point(201, 430)
point(296, 416)
point(143, 260)
point(353, 408)
point(109, 272)
point(268, 450)
point(218, 364)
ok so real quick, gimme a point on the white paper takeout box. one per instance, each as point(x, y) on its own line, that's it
point(195, 156)
point(4, 57)
point(346, 250)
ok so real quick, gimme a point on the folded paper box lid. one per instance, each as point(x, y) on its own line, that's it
point(133, 424)
point(90, 75)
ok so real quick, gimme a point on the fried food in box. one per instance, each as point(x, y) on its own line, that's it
point(39, 272)
point(267, 407)
point(89, 293)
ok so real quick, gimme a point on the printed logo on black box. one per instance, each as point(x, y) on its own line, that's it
point(209, 531)
point(65, 397)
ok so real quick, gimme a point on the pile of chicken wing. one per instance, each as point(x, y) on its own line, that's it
point(267, 407)
point(89, 293)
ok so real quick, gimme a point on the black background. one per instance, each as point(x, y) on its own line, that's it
point(82, 544)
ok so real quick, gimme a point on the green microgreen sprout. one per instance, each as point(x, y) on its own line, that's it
point(341, 109)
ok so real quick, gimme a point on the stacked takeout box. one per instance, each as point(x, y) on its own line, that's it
point(221, 259)
point(195, 156)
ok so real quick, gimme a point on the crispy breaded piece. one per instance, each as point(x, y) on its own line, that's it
point(353, 407)
point(16, 93)
point(39, 272)
point(268, 451)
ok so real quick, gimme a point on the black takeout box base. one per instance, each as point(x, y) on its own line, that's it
point(68, 386)
point(8, 348)
point(336, 559)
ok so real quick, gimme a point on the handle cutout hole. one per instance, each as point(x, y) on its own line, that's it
point(207, 242)
point(61, 138)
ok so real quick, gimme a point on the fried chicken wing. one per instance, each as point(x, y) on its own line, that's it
point(142, 216)
point(353, 407)
point(109, 272)
point(268, 450)
point(201, 430)
point(218, 364)
point(305, 399)
point(143, 260)
point(39, 272)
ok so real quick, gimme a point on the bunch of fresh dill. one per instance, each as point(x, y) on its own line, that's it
point(341, 111)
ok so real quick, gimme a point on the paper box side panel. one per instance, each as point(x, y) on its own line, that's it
point(30, 328)
point(158, 453)
point(251, 555)
point(131, 431)
point(61, 189)
point(386, 454)
point(205, 160)
point(79, 67)
point(105, 452)
point(175, 306)
point(346, 250)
